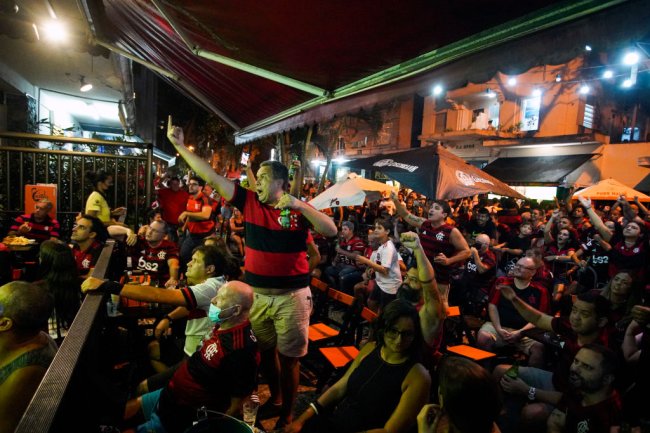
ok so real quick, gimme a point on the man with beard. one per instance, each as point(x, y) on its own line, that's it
point(543, 389)
point(505, 326)
point(591, 404)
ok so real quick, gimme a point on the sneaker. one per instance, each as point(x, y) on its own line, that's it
point(269, 410)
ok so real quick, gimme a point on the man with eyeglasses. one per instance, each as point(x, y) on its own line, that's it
point(38, 225)
point(506, 324)
point(196, 221)
point(157, 256)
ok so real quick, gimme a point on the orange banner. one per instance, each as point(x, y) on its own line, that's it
point(34, 193)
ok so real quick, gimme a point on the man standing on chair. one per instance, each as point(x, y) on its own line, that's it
point(276, 267)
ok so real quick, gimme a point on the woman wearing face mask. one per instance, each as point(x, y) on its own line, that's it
point(96, 204)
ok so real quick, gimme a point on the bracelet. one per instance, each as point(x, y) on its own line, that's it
point(316, 407)
point(531, 393)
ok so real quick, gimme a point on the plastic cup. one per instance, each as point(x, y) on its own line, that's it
point(250, 411)
point(111, 309)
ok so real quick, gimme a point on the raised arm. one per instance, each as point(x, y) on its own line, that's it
point(642, 209)
point(432, 312)
point(136, 292)
point(411, 219)
point(548, 237)
point(224, 187)
point(595, 219)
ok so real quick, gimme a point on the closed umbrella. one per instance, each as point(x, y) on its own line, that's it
point(610, 189)
point(351, 192)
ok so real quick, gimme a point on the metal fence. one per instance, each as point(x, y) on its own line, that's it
point(22, 164)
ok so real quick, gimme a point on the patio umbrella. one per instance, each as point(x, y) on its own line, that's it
point(435, 172)
point(351, 192)
point(610, 189)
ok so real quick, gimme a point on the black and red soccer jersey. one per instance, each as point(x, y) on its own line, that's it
point(154, 260)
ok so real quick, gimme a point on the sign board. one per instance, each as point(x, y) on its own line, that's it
point(34, 193)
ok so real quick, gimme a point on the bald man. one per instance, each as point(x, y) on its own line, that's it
point(220, 375)
point(25, 350)
point(506, 324)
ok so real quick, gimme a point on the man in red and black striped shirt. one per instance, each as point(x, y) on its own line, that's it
point(39, 225)
point(276, 266)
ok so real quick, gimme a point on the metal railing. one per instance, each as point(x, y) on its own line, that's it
point(21, 164)
point(42, 410)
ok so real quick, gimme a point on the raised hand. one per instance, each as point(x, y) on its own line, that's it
point(175, 133)
point(410, 240)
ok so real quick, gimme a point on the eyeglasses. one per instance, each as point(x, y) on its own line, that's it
point(518, 266)
point(393, 333)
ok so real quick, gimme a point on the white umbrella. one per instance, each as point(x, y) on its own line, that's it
point(351, 192)
point(610, 189)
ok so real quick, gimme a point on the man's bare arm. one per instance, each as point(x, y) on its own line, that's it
point(224, 187)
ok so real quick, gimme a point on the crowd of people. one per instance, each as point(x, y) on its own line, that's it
point(234, 263)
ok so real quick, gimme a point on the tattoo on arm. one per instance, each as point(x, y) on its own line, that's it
point(415, 220)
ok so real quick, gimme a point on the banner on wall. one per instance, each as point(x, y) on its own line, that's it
point(34, 193)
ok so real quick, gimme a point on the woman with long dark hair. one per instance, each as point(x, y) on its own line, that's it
point(385, 386)
point(58, 271)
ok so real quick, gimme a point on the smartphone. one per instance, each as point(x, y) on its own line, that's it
point(244, 158)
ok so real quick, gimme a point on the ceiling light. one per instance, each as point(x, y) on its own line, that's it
point(627, 83)
point(490, 93)
point(584, 89)
point(537, 92)
point(55, 31)
point(437, 89)
point(512, 81)
point(85, 87)
point(608, 74)
point(631, 58)
point(587, 47)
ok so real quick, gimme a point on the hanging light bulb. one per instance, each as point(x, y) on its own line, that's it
point(558, 78)
point(608, 74)
point(85, 87)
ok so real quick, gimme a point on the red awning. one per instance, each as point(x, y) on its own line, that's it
point(324, 45)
